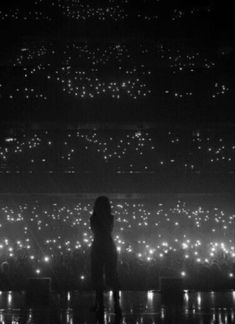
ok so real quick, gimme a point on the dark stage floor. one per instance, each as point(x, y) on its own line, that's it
point(137, 307)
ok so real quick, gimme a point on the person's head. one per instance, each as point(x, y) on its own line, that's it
point(102, 206)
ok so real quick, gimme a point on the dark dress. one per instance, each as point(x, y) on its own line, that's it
point(103, 253)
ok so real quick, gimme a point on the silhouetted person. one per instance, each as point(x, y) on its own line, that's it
point(103, 253)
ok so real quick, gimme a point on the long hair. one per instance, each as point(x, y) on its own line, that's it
point(102, 207)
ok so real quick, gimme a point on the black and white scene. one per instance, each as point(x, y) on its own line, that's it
point(117, 162)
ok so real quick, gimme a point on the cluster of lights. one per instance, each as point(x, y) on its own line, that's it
point(180, 61)
point(179, 14)
point(119, 151)
point(179, 95)
point(88, 11)
point(85, 10)
point(88, 85)
point(116, 71)
point(95, 56)
point(85, 72)
point(148, 18)
point(28, 94)
point(29, 56)
point(200, 235)
point(219, 90)
point(23, 15)
point(109, 71)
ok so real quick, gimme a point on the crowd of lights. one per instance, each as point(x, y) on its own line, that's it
point(100, 11)
point(41, 230)
point(85, 71)
point(83, 10)
point(176, 150)
point(181, 61)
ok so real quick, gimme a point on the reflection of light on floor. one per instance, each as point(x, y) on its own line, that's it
point(105, 317)
point(69, 316)
point(199, 300)
point(150, 295)
point(9, 299)
point(197, 307)
point(232, 317)
point(30, 315)
point(186, 302)
point(220, 317)
point(123, 320)
point(213, 316)
point(186, 297)
point(15, 319)
point(225, 318)
point(68, 296)
point(234, 296)
point(110, 296)
point(212, 295)
point(2, 318)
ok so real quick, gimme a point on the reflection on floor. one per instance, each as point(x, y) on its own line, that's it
point(137, 308)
